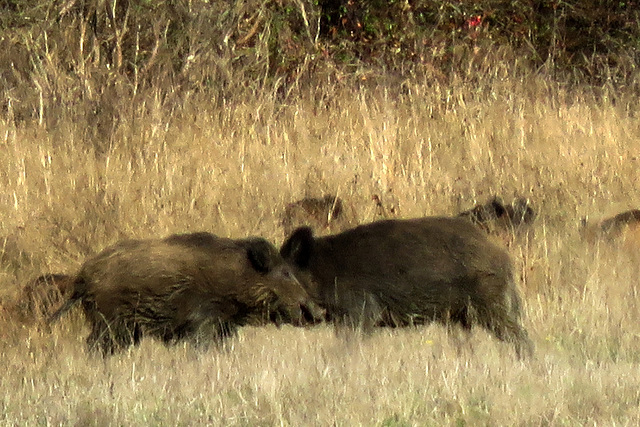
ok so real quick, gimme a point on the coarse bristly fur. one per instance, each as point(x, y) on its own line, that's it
point(403, 272)
point(195, 286)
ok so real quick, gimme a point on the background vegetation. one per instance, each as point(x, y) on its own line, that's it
point(138, 119)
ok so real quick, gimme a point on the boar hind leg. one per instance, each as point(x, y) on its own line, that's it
point(501, 316)
point(512, 332)
point(506, 326)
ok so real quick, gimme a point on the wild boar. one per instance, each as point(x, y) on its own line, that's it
point(622, 229)
point(408, 272)
point(196, 286)
point(498, 216)
point(329, 213)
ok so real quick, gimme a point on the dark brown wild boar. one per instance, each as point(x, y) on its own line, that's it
point(195, 286)
point(405, 272)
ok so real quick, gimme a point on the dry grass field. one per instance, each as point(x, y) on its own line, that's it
point(423, 148)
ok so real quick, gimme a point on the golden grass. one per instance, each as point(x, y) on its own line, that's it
point(425, 147)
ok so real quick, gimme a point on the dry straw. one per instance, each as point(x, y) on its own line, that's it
point(426, 147)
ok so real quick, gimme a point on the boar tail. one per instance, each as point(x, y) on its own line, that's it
point(78, 295)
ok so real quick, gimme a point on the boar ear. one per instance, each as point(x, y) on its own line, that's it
point(298, 247)
point(522, 208)
point(498, 207)
point(261, 254)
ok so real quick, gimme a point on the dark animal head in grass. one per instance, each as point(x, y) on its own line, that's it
point(495, 215)
point(326, 214)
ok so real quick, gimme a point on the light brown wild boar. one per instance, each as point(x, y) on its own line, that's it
point(327, 214)
point(196, 286)
point(497, 216)
point(407, 272)
point(623, 229)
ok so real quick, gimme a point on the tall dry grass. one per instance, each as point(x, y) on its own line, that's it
point(230, 168)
